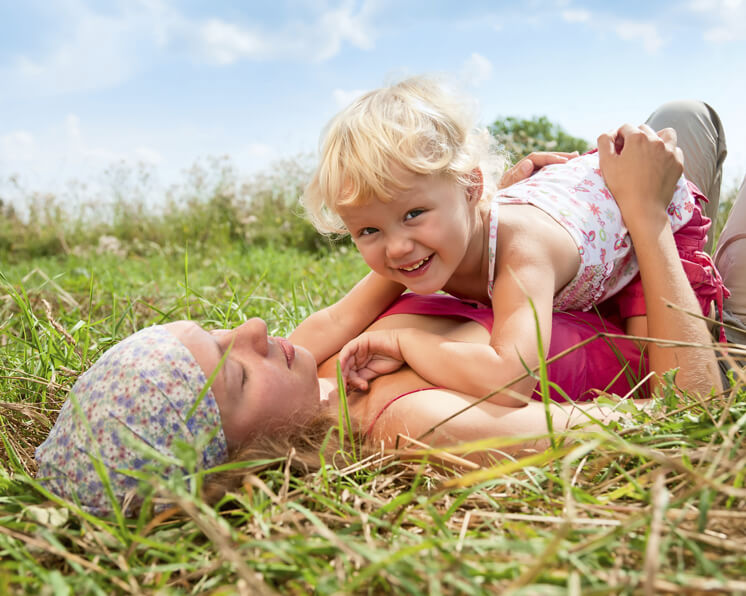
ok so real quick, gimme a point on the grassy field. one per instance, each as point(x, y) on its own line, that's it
point(657, 505)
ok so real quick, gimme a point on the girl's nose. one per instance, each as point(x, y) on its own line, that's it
point(398, 246)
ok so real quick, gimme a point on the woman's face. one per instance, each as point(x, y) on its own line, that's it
point(265, 382)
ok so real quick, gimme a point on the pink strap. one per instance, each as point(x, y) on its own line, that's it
point(398, 397)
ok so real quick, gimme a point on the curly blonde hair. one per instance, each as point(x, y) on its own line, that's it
point(417, 124)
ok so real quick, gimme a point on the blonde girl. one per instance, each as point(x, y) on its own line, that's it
point(408, 175)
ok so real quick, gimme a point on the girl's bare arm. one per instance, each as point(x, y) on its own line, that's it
point(326, 331)
point(473, 369)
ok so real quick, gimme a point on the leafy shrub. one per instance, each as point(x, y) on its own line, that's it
point(519, 137)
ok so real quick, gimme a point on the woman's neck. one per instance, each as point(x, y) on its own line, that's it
point(359, 404)
point(328, 394)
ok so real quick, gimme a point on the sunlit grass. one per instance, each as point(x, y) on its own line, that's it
point(653, 504)
point(657, 503)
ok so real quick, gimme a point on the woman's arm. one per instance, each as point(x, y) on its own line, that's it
point(533, 162)
point(656, 164)
point(515, 430)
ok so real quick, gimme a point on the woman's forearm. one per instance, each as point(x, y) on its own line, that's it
point(641, 168)
point(665, 283)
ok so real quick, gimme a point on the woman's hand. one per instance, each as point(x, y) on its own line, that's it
point(641, 168)
point(531, 163)
point(370, 355)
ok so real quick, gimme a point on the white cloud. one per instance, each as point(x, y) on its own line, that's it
point(337, 26)
point(225, 43)
point(724, 34)
point(87, 51)
point(318, 38)
point(727, 18)
point(647, 33)
point(343, 97)
point(92, 50)
point(576, 16)
point(476, 69)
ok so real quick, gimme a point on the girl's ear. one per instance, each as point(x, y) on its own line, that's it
point(475, 189)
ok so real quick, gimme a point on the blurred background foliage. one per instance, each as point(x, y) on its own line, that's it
point(519, 137)
point(212, 207)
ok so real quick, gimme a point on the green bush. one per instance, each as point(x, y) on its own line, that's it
point(519, 137)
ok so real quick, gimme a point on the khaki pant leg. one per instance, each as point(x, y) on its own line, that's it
point(701, 137)
point(730, 256)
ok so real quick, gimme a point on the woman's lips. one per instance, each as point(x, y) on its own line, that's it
point(287, 348)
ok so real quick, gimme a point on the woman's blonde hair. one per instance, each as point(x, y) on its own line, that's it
point(416, 124)
point(313, 443)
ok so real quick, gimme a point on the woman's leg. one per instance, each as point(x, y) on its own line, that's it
point(730, 259)
point(702, 139)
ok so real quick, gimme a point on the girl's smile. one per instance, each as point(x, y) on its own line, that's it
point(419, 268)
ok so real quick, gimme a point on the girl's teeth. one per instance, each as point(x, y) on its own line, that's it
point(415, 266)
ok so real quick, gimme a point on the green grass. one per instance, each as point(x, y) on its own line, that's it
point(656, 505)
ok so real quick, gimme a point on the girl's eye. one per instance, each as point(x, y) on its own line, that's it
point(367, 231)
point(413, 213)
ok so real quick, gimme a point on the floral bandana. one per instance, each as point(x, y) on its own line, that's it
point(142, 390)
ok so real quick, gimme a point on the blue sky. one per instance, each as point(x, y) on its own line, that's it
point(85, 83)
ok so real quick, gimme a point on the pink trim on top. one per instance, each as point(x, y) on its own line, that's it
point(440, 305)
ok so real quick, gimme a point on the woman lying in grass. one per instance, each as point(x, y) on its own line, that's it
point(143, 396)
point(147, 394)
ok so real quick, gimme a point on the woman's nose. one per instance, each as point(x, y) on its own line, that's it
point(251, 335)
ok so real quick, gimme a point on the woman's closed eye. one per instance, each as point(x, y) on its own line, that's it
point(240, 373)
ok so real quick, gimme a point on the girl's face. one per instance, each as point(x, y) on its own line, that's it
point(421, 236)
point(265, 382)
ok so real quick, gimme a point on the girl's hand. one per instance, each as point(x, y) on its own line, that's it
point(532, 163)
point(640, 168)
point(370, 355)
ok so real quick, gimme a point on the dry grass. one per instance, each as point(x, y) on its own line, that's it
point(653, 505)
